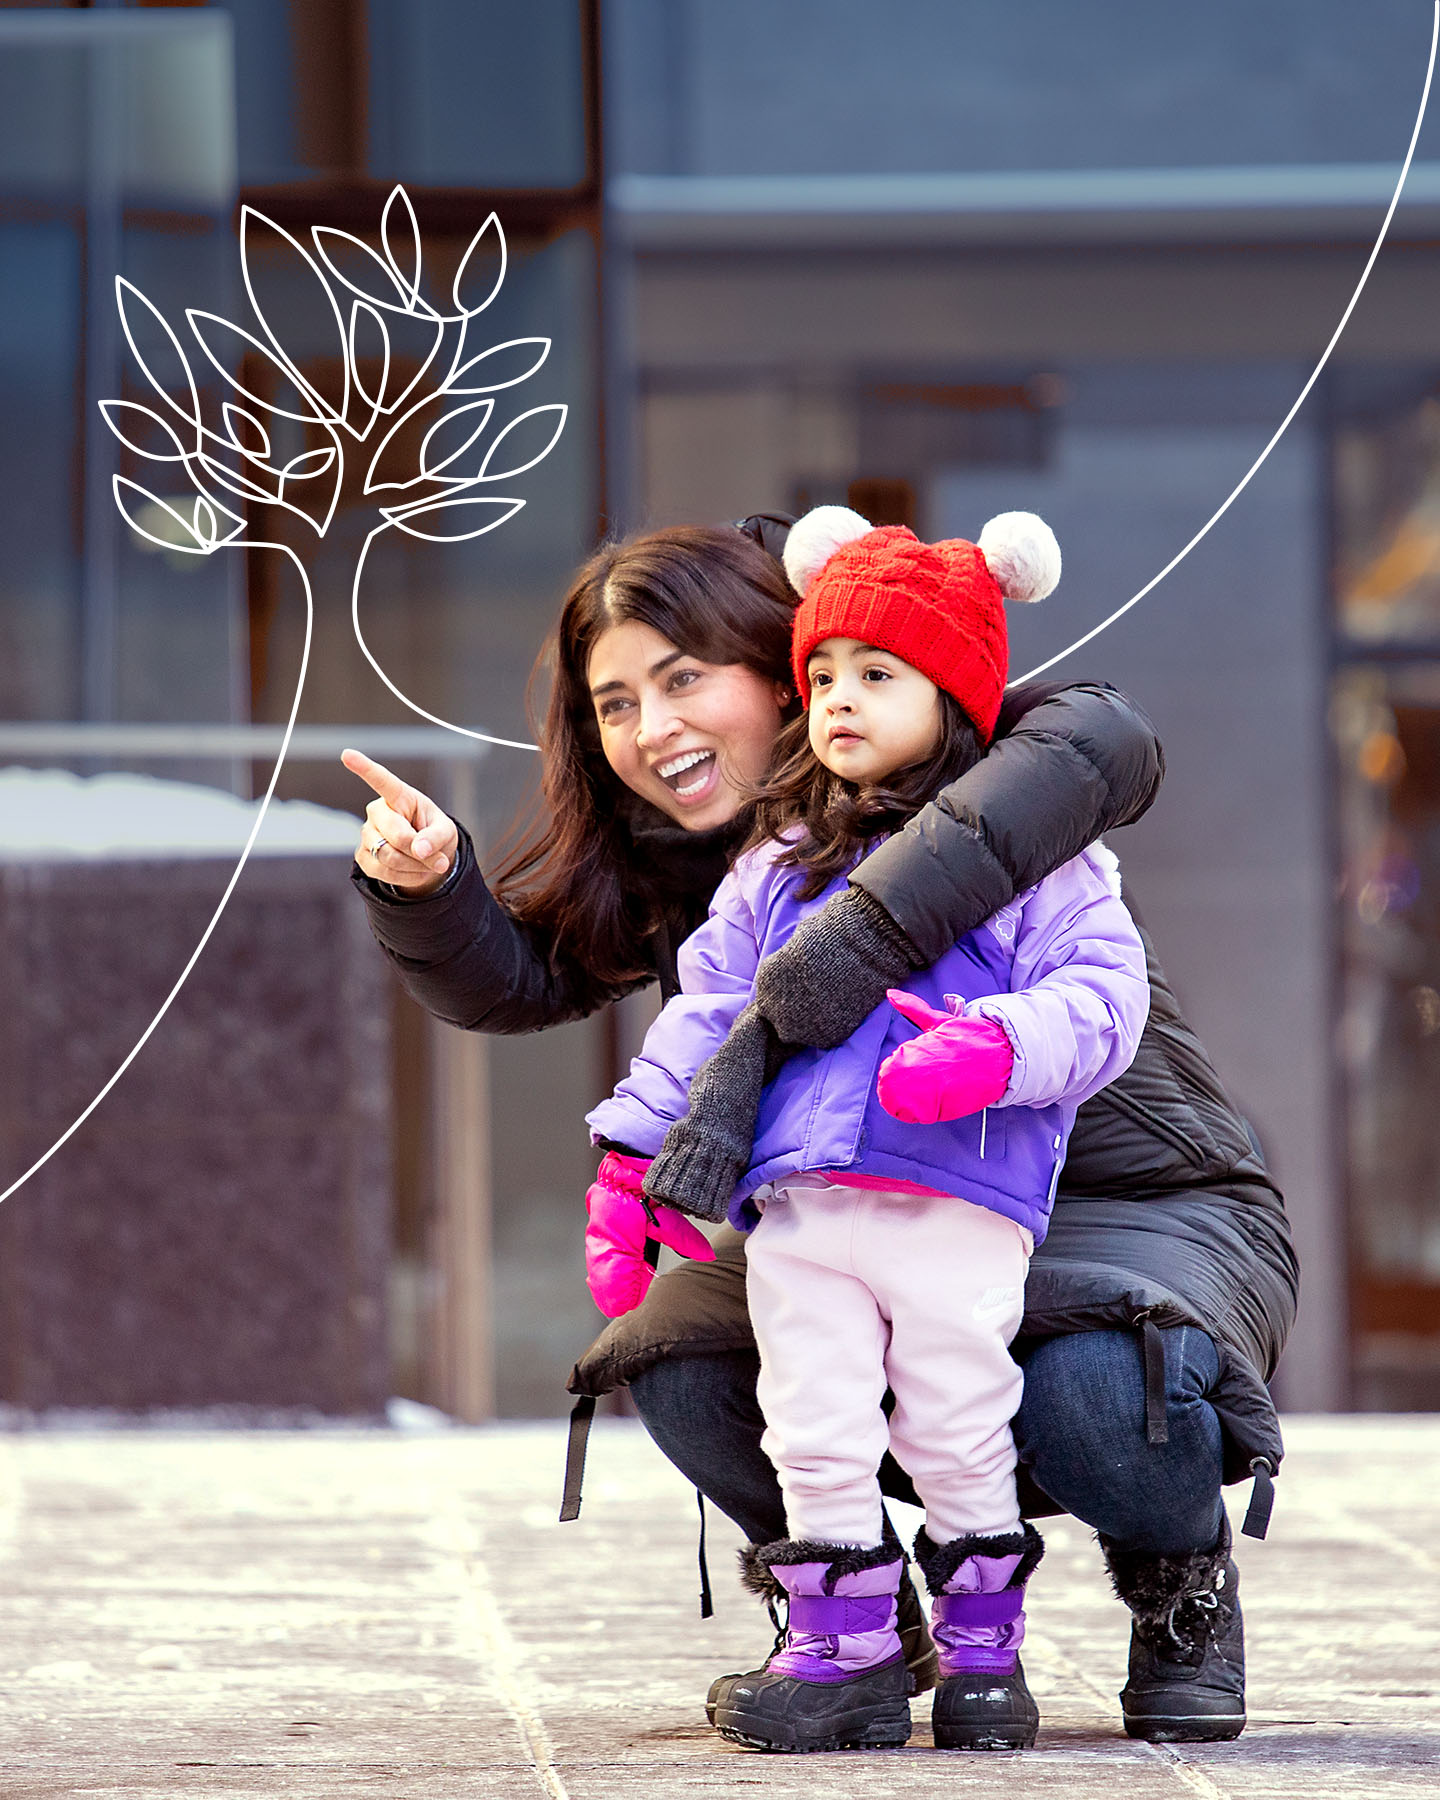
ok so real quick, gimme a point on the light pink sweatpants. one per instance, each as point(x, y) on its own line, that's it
point(854, 1289)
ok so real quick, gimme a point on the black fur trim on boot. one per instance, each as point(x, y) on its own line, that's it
point(758, 1560)
point(938, 1562)
point(1186, 1679)
point(1153, 1586)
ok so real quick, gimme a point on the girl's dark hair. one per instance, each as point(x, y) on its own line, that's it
point(569, 875)
point(839, 817)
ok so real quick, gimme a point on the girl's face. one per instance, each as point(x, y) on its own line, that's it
point(684, 734)
point(870, 713)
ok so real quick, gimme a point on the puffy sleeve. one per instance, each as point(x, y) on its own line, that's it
point(717, 965)
point(1080, 993)
point(462, 957)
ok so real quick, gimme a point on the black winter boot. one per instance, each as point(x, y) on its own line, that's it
point(915, 1641)
point(837, 1678)
point(978, 1623)
point(1187, 1643)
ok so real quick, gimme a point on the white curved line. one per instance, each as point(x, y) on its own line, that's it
point(474, 312)
point(429, 471)
point(247, 213)
point(184, 975)
point(524, 468)
point(483, 737)
point(1284, 424)
point(124, 287)
point(410, 284)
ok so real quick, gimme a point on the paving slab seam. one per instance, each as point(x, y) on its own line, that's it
point(1372, 1531)
point(1169, 1759)
point(455, 1536)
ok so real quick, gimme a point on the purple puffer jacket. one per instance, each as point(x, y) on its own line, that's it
point(1061, 968)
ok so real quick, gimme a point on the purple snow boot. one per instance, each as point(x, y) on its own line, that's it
point(978, 1623)
point(837, 1680)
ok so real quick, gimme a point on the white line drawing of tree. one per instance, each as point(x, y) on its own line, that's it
point(228, 455)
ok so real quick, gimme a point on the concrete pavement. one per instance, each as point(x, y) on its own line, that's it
point(318, 1614)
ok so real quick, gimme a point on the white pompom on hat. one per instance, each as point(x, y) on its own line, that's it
point(814, 539)
point(1022, 554)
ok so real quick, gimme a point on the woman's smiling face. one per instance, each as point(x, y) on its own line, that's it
point(684, 734)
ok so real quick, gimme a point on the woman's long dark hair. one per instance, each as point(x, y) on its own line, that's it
point(839, 817)
point(711, 592)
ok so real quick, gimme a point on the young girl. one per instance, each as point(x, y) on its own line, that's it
point(898, 1183)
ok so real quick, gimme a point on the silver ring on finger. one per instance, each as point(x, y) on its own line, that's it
point(379, 845)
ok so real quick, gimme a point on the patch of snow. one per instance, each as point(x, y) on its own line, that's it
point(49, 815)
point(414, 1415)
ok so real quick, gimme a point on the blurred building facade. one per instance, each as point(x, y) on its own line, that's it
point(937, 260)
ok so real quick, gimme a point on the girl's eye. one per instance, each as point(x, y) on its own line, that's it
point(683, 678)
point(877, 674)
point(819, 679)
point(609, 709)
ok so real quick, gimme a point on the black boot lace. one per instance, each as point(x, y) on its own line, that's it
point(781, 1625)
point(1185, 1633)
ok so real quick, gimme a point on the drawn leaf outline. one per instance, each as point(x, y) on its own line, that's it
point(527, 430)
point(431, 468)
point(473, 377)
point(111, 411)
point(202, 528)
point(250, 221)
point(400, 234)
point(472, 249)
point(126, 297)
point(453, 512)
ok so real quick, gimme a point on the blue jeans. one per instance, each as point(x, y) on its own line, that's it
point(1080, 1432)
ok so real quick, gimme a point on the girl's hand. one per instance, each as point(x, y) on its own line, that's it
point(954, 1068)
point(618, 1270)
point(407, 840)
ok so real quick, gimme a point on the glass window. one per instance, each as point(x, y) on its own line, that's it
point(1387, 728)
point(1385, 724)
point(477, 96)
point(265, 92)
point(1387, 499)
point(39, 469)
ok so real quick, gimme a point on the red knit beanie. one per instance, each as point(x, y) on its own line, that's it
point(939, 607)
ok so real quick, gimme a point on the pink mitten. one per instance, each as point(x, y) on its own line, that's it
point(616, 1270)
point(954, 1068)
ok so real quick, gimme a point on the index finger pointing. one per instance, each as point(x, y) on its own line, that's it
point(391, 789)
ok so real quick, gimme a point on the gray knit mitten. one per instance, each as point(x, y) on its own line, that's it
point(819, 989)
point(706, 1152)
point(815, 991)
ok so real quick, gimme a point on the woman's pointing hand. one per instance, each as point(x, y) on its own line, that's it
point(406, 839)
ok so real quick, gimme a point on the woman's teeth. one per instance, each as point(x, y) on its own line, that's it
point(673, 773)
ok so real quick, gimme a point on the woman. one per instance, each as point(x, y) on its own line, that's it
point(1149, 1328)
